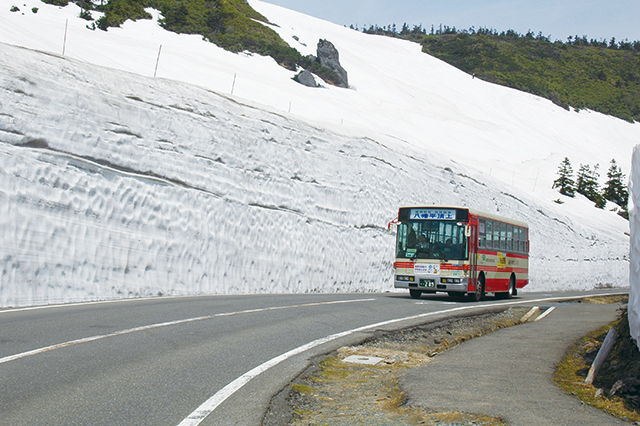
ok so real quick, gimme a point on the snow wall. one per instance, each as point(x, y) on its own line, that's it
point(114, 185)
point(634, 270)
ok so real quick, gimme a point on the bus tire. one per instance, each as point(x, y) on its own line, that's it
point(479, 293)
point(415, 294)
point(509, 293)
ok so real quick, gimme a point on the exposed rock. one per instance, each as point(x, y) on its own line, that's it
point(306, 78)
point(328, 57)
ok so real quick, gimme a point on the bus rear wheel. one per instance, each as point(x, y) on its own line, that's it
point(415, 294)
point(509, 293)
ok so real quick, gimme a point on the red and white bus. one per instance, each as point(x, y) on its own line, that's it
point(460, 251)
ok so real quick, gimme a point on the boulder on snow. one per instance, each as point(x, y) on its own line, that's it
point(307, 79)
point(329, 57)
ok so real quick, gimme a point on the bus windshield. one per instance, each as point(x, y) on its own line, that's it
point(432, 239)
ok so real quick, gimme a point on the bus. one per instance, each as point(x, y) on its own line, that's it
point(460, 251)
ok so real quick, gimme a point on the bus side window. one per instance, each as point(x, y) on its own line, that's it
point(510, 237)
point(489, 234)
point(481, 233)
point(503, 236)
point(520, 239)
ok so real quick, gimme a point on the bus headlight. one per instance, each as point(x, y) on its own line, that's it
point(451, 280)
point(405, 278)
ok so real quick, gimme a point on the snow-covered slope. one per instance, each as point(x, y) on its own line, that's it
point(114, 183)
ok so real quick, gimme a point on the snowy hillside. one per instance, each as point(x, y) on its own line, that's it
point(114, 183)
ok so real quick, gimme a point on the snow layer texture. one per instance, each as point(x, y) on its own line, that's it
point(117, 184)
point(634, 274)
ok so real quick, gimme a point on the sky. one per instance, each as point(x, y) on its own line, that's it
point(556, 19)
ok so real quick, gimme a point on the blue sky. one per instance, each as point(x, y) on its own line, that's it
point(557, 19)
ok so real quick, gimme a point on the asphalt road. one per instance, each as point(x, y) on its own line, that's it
point(213, 360)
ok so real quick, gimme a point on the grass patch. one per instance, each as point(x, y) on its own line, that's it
point(304, 389)
point(617, 298)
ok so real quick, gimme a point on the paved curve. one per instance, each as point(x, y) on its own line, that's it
point(155, 361)
point(509, 373)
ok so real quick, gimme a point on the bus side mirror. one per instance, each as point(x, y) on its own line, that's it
point(390, 225)
point(467, 231)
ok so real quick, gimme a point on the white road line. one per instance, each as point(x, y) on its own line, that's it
point(166, 324)
point(197, 416)
point(544, 314)
point(206, 408)
point(96, 302)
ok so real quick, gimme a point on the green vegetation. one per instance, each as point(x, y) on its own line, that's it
point(116, 12)
point(565, 182)
point(56, 2)
point(587, 184)
point(583, 74)
point(231, 24)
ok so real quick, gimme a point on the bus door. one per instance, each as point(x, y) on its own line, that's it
point(473, 250)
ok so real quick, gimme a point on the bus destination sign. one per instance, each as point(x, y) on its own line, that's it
point(433, 214)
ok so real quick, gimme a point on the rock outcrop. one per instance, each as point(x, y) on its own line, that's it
point(306, 79)
point(329, 57)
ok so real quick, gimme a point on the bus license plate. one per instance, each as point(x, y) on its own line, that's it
point(427, 283)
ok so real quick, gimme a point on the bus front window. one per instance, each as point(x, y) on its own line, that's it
point(444, 240)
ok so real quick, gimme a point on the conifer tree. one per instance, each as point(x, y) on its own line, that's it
point(587, 184)
point(615, 190)
point(565, 182)
point(583, 179)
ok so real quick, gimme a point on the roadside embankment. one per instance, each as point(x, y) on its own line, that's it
point(412, 376)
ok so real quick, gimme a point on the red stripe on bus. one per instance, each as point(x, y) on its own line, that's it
point(451, 267)
point(443, 266)
point(408, 265)
point(487, 268)
point(495, 253)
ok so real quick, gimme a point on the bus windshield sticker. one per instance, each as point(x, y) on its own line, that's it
point(437, 214)
point(426, 268)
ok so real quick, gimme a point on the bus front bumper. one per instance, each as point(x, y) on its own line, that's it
point(431, 283)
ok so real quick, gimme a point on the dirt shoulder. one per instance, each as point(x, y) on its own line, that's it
point(335, 392)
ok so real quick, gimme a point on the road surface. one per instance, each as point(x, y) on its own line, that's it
point(214, 360)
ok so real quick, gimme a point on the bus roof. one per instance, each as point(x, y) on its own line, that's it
point(474, 212)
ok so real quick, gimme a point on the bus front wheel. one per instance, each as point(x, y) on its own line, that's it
point(415, 294)
point(479, 294)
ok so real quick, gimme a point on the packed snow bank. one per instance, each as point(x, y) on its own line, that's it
point(115, 185)
point(634, 270)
